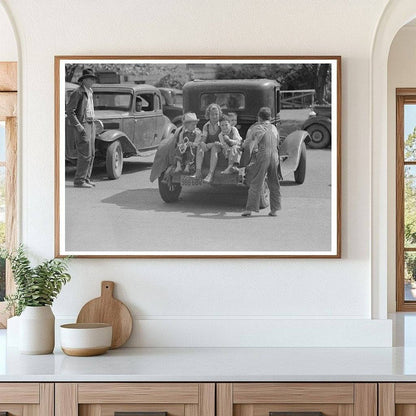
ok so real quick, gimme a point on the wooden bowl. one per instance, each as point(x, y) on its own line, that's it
point(84, 340)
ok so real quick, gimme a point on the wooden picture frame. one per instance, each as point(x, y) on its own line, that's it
point(114, 219)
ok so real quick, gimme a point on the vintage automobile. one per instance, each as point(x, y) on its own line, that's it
point(245, 97)
point(130, 122)
point(318, 125)
point(172, 104)
point(69, 87)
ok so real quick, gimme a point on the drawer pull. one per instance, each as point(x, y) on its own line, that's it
point(296, 414)
point(139, 414)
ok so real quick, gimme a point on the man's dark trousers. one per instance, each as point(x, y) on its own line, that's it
point(85, 144)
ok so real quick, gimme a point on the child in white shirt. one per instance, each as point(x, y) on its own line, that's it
point(233, 119)
point(230, 140)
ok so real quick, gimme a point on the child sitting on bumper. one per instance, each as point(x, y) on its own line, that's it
point(233, 119)
point(188, 141)
point(230, 141)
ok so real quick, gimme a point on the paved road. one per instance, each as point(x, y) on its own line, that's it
point(128, 215)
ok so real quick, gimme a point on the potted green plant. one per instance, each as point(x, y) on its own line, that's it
point(36, 289)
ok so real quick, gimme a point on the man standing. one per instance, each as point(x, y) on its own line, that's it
point(80, 112)
point(262, 139)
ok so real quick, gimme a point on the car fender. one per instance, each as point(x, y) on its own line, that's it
point(169, 129)
point(110, 136)
point(177, 121)
point(290, 151)
point(324, 121)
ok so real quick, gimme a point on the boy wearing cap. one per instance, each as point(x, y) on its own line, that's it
point(262, 138)
point(188, 141)
point(80, 112)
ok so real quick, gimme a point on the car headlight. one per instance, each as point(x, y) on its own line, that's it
point(99, 126)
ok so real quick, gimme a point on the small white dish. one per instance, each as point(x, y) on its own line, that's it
point(84, 340)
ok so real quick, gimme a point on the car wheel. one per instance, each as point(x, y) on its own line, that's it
point(169, 192)
point(320, 136)
point(300, 172)
point(114, 160)
point(265, 196)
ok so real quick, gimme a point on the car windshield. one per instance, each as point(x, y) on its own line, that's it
point(226, 100)
point(178, 99)
point(106, 100)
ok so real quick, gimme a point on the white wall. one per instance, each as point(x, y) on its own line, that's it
point(179, 302)
point(8, 46)
point(401, 74)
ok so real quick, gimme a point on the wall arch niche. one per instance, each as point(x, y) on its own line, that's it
point(397, 14)
point(401, 75)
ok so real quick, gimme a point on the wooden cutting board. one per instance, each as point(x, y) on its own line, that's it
point(107, 309)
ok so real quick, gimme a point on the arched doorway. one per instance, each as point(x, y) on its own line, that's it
point(396, 14)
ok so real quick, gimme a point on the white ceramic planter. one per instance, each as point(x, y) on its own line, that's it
point(37, 330)
point(13, 331)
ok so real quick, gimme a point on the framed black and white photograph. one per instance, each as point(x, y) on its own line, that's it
point(198, 156)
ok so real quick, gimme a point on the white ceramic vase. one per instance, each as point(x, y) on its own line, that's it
point(37, 330)
point(13, 331)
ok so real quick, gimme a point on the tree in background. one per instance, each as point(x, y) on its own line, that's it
point(173, 80)
point(290, 76)
point(410, 205)
point(2, 204)
point(176, 77)
point(2, 241)
point(70, 71)
point(410, 146)
point(2, 281)
point(321, 81)
point(160, 75)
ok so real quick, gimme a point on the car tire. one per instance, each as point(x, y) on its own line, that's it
point(265, 196)
point(300, 171)
point(114, 160)
point(169, 193)
point(320, 136)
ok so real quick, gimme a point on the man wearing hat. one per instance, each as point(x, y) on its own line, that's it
point(80, 112)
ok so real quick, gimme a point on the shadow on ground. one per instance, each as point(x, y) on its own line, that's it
point(209, 201)
point(99, 173)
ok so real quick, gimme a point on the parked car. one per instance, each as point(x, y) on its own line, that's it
point(318, 125)
point(245, 97)
point(130, 122)
point(172, 104)
point(69, 87)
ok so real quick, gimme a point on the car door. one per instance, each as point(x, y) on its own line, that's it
point(144, 120)
point(125, 120)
